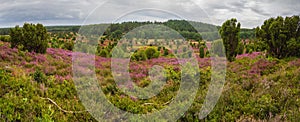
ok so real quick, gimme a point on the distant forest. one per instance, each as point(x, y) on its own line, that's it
point(188, 29)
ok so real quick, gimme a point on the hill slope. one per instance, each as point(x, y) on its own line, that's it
point(36, 87)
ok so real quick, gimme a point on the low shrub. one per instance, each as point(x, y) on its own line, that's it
point(39, 76)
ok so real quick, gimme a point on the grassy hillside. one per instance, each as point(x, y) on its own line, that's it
point(39, 87)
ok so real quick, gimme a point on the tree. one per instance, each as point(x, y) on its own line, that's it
point(230, 34)
point(166, 52)
point(16, 36)
point(117, 35)
point(31, 37)
point(282, 35)
point(201, 49)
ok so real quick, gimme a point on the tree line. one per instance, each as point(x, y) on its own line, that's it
point(189, 29)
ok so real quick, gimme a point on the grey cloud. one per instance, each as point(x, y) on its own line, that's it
point(259, 11)
point(52, 11)
point(250, 13)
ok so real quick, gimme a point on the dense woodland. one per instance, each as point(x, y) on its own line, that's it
point(262, 78)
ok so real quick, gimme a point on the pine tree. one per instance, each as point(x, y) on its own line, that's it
point(230, 34)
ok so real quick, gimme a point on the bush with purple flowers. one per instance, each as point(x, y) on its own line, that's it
point(257, 88)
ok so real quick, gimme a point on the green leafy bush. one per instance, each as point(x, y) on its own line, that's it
point(140, 55)
point(151, 53)
point(240, 48)
point(39, 76)
point(104, 53)
point(5, 38)
point(69, 45)
point(32, 37)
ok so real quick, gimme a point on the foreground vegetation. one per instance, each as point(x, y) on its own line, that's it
point(39, 87)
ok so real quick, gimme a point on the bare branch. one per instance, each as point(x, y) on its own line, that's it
point(53, 102)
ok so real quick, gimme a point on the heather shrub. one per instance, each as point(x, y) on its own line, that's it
point(22, 100)
point(256, 89)
point(21, 53)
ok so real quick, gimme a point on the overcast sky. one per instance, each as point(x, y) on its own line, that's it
point(250, 13)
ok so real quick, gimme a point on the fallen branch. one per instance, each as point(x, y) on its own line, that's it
point(53, 102)
point(168, 102)
point(148, 103)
